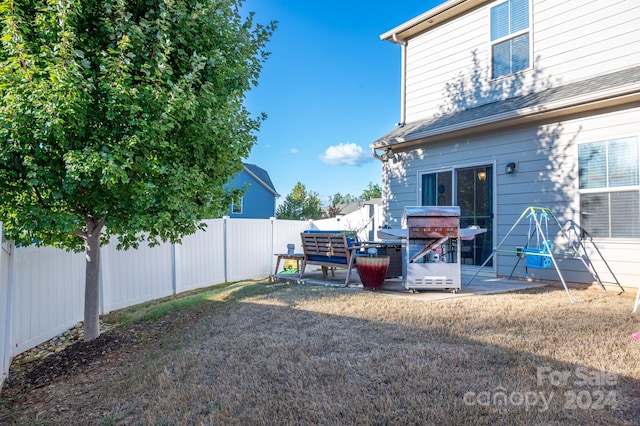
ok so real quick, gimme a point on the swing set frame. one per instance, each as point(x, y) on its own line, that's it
point(545, 252)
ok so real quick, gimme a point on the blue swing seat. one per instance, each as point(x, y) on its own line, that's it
point(539, 258)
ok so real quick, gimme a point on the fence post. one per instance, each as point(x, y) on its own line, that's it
point(174, 277)
point(272, 221)
point(225, 249)
point(6, 283)
point(104, 281)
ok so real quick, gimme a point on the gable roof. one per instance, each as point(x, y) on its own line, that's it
point(261, 176)
point(612, 89)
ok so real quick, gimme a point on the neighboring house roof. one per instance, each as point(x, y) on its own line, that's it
point(357, 205)
point(261, 176)
point(598, 92)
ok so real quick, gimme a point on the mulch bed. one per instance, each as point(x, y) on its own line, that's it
point(62, 364)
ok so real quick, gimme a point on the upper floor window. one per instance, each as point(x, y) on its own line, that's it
point(236, 208)
point(609, 182)
point(510, 37)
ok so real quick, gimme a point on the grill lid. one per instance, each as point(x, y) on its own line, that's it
point(431, 211)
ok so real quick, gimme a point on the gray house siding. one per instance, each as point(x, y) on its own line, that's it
point(582, 86)
point(448, 67)
point(546, 158)
point(578, 39)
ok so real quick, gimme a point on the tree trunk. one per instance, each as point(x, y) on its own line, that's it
point(92, 281)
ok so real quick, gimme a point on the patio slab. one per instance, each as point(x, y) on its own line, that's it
point(393, 286)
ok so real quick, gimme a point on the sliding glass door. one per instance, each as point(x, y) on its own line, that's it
point(474, 195)
point(472, 191)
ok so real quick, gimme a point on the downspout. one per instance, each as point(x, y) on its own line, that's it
point(403, 90)
point(375, 154)
point(403, 79)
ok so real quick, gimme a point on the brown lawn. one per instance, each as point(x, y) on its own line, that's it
point(264, 353)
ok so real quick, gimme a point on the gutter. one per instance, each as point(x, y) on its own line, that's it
point(387, 155)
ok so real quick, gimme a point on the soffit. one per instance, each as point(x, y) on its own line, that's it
point(430, 18)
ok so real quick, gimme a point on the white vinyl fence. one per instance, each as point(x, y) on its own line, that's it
point(42, 288)
point(365, 222)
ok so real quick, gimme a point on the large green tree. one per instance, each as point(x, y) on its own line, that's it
point(122, 118)
point(336, 201)
point(372, 191)
point(300, 204)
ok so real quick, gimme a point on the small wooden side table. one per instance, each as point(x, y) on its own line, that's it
point(298, 257)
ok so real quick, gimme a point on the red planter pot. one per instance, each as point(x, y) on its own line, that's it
point(372, 271)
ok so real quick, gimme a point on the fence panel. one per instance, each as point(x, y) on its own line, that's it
point(133, 276)
point(287, 232)
point(47, 294)
point(249, 248)
point(200, 258)
point(364, 221)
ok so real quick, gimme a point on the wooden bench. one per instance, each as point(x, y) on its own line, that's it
point(328, 250)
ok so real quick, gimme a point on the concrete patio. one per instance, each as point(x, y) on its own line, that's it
point(393, 286)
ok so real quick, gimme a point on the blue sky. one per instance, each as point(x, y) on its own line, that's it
point(330, 88)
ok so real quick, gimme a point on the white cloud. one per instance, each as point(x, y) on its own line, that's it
point(294, 150)
point(348, 154)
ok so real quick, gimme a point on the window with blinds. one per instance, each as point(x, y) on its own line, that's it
point(510, 39)
point(609, 182)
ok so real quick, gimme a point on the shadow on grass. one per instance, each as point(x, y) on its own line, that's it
point(321, 355)
point(298, 354)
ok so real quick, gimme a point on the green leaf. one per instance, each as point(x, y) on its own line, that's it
point(127, 112)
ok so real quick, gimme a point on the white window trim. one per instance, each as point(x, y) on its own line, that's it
point(487, 271)
point(491, 43)
point(607, 189)
point(420, 173)
point(233, 205)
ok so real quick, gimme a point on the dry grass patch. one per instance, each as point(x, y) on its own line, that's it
point(289, 354)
